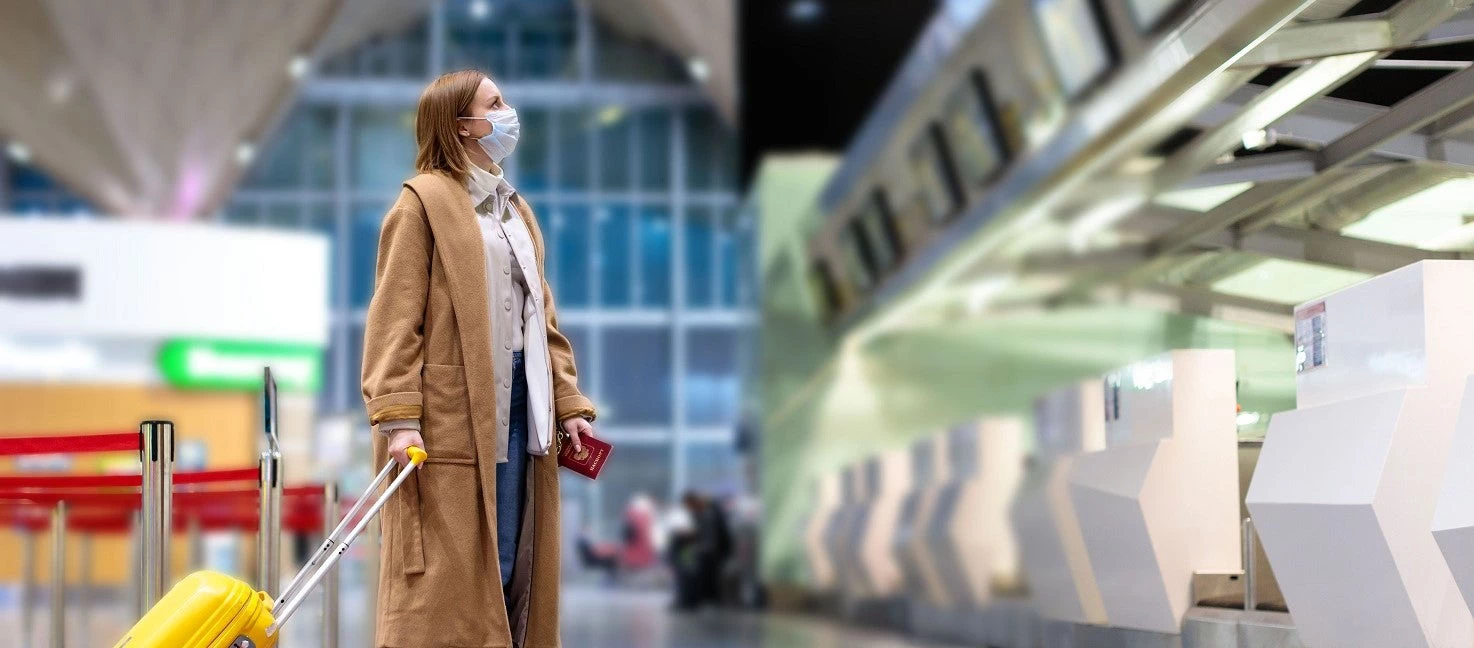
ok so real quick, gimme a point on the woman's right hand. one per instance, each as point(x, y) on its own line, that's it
point(400, 441)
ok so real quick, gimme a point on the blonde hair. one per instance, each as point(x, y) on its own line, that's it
point(437, 126)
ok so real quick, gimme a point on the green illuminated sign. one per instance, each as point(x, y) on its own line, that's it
point(237, 364)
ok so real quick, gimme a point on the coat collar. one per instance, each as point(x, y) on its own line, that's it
point(483, 185)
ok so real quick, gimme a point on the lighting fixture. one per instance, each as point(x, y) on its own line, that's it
point(1260, 139)
point(299, 66)
point(609, 115)
point(245, 153)
point(479, 9)
point(699, 70)
point(1202, 199)
point(59, 88)
point(1100, 217)
point(980, 294)
point(51, 359)
point(18, 152)
point(805, 11)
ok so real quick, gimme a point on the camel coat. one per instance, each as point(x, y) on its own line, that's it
point(427, 355)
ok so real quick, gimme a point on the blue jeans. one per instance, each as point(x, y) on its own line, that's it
point(511, 477)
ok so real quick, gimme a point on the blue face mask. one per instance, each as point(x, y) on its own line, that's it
point(505, 130)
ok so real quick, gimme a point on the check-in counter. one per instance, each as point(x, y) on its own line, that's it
point(1347, 486)
point(929, 472)
point(888, 478)
point(971, 536)
point(841, 529)
point(1453, 521)
point(1062, 587)
point(1161, 501)
point(821, 576)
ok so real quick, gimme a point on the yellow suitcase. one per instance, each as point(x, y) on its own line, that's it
point(212, 610)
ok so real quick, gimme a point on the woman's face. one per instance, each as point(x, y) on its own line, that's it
point(488, 98)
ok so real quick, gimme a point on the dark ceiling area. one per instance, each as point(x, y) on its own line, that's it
point(812, 69)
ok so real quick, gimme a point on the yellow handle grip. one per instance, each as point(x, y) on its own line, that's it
point(417, 456)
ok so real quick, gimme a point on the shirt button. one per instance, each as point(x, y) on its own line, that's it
point(507, 346)
point(506, 271)
point(499, 235)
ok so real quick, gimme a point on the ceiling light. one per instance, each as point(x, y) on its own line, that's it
point(47, 358)
point(981, 293)
point(1100, 217)
point(245, 153)
point(1286, 282)
point(699, 69)
point(1248, 418)
point(805, 11)
point(1202, 199)
point(299, 66)
point(479, 9)
point(609, 115)
point(1142, 165)
point(1260, 139)
point(18, 152)
point(59, 88)
point(1431, 218)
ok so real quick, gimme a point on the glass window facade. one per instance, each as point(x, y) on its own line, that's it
point(28, 192)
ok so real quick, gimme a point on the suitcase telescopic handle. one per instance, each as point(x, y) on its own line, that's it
point(338, 542)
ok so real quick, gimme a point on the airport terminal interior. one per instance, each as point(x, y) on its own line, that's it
point(911, 323)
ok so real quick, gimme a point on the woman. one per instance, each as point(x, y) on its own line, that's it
point(462, 356)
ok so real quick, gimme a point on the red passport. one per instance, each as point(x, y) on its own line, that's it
point(588, 461)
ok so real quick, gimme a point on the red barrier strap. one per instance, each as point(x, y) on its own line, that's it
point(71, 444)
point(126, 481)
point(252, 474)
point(133, 499)
point(244, 521)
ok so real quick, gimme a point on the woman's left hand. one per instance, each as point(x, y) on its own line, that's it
point(576, 427)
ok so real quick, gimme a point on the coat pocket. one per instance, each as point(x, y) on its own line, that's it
point(446, 423)
point(408, 530)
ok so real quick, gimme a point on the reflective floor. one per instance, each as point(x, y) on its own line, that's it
point(609, 619)
point(592, 618)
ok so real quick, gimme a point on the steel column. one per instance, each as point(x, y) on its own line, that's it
point(1427, 105)
point(679, 480)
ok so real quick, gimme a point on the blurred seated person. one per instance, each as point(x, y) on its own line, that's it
point(700, 552)
point(598, 556)
point(637, 552)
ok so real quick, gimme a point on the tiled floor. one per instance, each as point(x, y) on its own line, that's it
point(592, 618)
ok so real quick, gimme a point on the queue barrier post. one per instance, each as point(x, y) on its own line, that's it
point(85, 627)
point(196, 544)
point(330, 589)
point(157, 451)
point(28, 589)
point(1251, 553)
point(135, 563)
point(268, 539)
point(59, 575)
